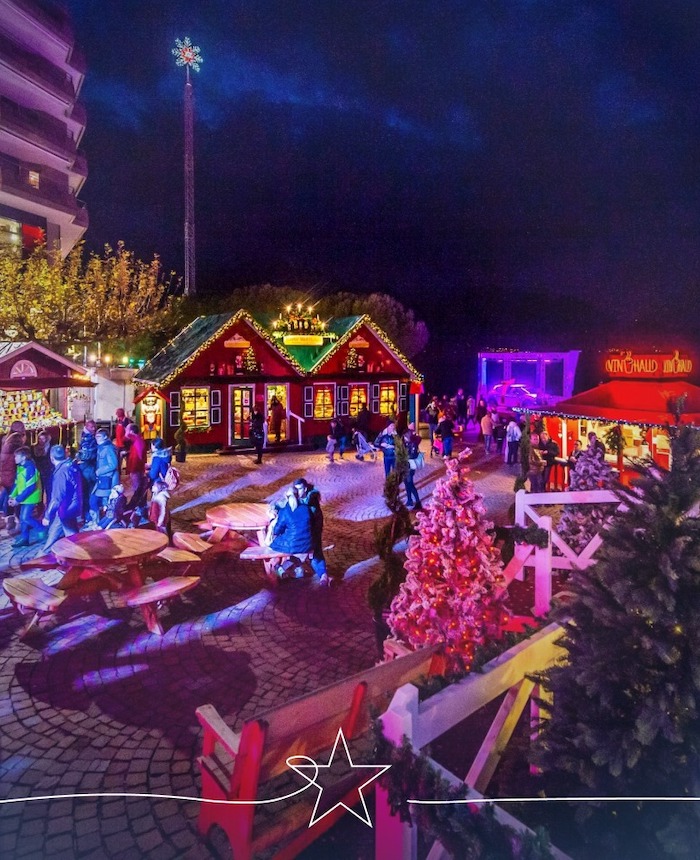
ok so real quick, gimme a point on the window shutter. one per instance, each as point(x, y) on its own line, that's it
point(403, 397)
point(174, 417)
point(175, 399)
point(308, 401)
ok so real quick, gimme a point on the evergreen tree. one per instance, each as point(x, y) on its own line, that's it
point(624, 718)
point(580, 523)
point(399, 526)
point(250, 362)
point(451, 592)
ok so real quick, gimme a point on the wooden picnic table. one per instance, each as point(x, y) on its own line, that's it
point(118, 555)
point(240, 517)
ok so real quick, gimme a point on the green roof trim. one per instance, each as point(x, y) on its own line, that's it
point(180, 350)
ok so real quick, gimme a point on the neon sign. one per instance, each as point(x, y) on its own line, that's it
point(628, 365)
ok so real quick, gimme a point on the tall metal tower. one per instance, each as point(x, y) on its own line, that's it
point(186, 54)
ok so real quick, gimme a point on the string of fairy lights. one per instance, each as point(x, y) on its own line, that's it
point(267, 336)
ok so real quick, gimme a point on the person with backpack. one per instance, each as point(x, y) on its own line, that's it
point(66, 501)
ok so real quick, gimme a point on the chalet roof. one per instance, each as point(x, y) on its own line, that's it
point(184, 347)
point(178, 353)
point(74, 374)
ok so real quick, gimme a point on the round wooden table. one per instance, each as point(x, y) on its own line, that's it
point(89, 554)
point(241, 517)
point(109, 548)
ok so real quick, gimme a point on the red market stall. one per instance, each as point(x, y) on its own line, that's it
point(645, 394)
point(34, 387)
point(219, 367)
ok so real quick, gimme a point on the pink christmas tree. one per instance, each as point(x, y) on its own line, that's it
point(453, 593)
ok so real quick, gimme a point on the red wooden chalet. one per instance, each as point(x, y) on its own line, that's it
point(219, 367)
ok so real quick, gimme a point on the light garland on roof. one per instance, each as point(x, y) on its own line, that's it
point(599, 418)
point(241, 314)
point(277, 344)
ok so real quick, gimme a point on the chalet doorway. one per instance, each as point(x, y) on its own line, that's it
point(281, 393)
point(241, 400)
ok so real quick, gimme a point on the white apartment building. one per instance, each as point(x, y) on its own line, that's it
point(42, 122)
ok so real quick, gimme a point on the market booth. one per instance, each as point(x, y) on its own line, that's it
point(644, 395)
point(34, 388)
point(219, 367)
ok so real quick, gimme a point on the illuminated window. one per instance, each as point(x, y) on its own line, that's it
point(358, 398)
point(195, 406)
point(33, 178)
point(387, 399)
point(323, 401)
point(10, 235)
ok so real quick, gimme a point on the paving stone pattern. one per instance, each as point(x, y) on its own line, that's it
point(95, 704)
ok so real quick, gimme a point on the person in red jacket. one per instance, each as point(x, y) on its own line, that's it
point(136, 465)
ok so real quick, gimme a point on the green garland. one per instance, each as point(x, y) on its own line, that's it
point(464, 830)
point(532, 535)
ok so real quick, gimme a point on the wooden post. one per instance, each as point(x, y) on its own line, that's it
point(520, 508)
point(543, 572)
point(394, 839)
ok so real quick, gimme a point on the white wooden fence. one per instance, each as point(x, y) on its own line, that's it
point(542, 559)
point(423, 722)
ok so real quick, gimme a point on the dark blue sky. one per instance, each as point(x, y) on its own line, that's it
point(459, 155)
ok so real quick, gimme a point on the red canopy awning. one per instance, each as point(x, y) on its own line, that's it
point(651, 402)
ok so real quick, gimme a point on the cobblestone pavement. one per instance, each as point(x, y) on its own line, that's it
point(93, 703)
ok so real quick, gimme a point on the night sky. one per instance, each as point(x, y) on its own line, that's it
point(521, 173)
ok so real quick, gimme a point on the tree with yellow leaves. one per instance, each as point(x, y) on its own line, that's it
point(113, 297)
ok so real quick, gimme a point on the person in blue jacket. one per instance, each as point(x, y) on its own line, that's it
point(291, 533)
point(66, 501)
point(161, 458)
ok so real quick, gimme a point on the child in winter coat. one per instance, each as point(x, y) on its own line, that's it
point(158, 512)
point(116, 508)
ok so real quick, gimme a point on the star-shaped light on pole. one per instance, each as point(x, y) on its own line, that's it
point(329, 785)
point(187, 54)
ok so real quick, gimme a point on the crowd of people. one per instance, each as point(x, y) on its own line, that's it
point(84, 491)
point(47, 491)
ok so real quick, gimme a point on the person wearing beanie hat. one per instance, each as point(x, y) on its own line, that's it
point(66, 501)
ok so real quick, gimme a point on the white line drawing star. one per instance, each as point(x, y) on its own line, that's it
point(327, 785)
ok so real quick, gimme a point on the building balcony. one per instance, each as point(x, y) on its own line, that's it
point(38, 128)
point(78, 114)
point(36, 69)
point(49, 194)
point(53, 19)
point(77, 61)
point(80, 165)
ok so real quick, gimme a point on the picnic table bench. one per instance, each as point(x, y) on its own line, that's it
point(273, 558)
point(235, 765)
point(96, 561)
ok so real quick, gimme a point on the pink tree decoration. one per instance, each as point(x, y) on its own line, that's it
point(452, 594)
